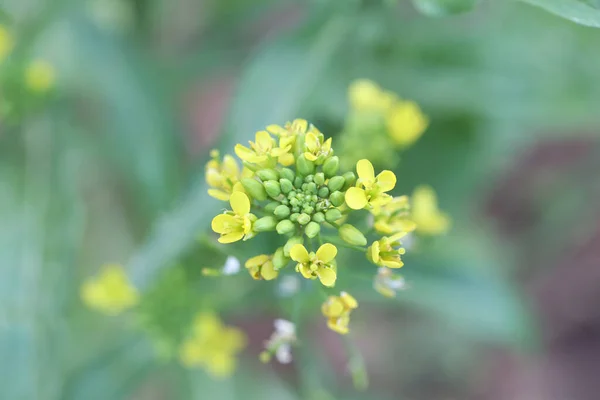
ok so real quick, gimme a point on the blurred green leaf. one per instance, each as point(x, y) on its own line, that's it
point(584, 12)
point(437, 8)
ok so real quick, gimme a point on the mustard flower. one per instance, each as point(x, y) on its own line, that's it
point(386, 251)
point(393, 217)
point(370, 189)
point(6, 43)
point(261, 267)
point(224, 176)
point(317, 149)
point(406, 123)
point(264, 151)
point(287, 137)
point(388, 283)
point(337, 310)
point(426, 214)
point(39, 76)
point(110, 292)
point(366, 96)
point(212, 346)
point(320, 264)
point(237, 224)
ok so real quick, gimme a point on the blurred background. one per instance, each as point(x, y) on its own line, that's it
point(108, 109)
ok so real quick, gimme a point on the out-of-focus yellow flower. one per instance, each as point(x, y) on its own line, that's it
point(39, 76)
point(387, 251)
point(320, 264)
point(264, 151)
point(406, 123)
point(426, 214)
point(366, 96)
point(317, 149)
point(393, 217)
point(110, 292)
point(6, 43)
point(388, 283)
point(370, 189)
point(261, 267)
point(290, 129)
point(237, 224)
point(212, 346)
point(337, 310)
point(224, 176)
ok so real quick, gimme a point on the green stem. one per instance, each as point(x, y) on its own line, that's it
point(356, 365)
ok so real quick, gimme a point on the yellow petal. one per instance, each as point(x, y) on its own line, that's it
point(230, 167)
point(240, 204)
point(218, 194)
point(287, 159)
point(264, 140)
point(311, 142)
point(231, 237)
point(326, 252)
point(243, 152)
point(349, 300)
point(299, 253)
point(222, 222)
point(310, 156)
point(257, 261)
point(386, 180)
point(299, 125)
point(268, 271)
point(339, 325)
point(392, 263)
point(326, 146)
point(233, 339)
point(276, 130)
point(327, 276)
point(305, 271)
point(356, 198)
point(333, 307)
point(221, 365)
point(365, 170)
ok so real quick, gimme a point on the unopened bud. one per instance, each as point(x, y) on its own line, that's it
point(270, 208)
point(319, 178)
point(304, 166)
point(311, 187)
point(286, 185)
point(318, 217)
point(288, 174)
point(298, 182)
point(336, 183)
point(350, 234)
point(267, 174)
point(303, 219)
point(254, 189)
point(265, 224)
point(282, 211)
point(337, 198)
point(312, 229)
point(333, 215)
point(279, 259)
point(308, 178)
point(273, 189)
point(290, 243)
point(330, 167)
point(350, 179)
point(285, 226)
point(295, 214)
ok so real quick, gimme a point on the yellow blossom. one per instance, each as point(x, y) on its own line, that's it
point(224, 176)
point(263, 151)
point(386, 251)
point(393, 217)
point(6, 43)
point(366, 96)
point(212, 346)
point(261, 267)
point(237, 224)
point(337, 310)
point(370, 189)
point(406, 123)
point(290, 129)
point(39, 76)
point(317, 149)
point(110, 292)
point(426, 214)
point(320, 264)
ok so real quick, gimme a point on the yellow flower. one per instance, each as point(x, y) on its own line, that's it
point(317, 149)
point(263, 151)
point(429, 219)
point(6, 43)
point(386, 251)
point(224, 177)
point(388, 283)
point(370, 189)
point(366, 96)
point(393, 217)
point(110, 292)
point(337, 311)
point(290, 129)
point(320, 264)
point(237, 224)
point(39, 76)
point(212, 346)
point(406, 123)
point(261, 267)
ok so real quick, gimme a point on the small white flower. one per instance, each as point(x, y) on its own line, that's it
point(284, 328)
point(231, 266)
point(283, 354)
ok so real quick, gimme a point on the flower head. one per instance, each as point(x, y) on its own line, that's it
point(366, 96)
point(261, 267)
point(337, 310)
point(224, 176)
point(290, 129)
point(39, 76)
point(370, 189)
point(110, 292)
point(388, 283)
point(426, 214)
point(264, 151)
point(386, 251)
point(320, 264)
point(6, 42)
point(237, 224)
point(406, 123)
point(316, 148)
point(393, 217)
point(212, 346)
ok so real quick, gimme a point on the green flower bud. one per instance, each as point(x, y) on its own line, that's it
point(294, 216)
point(319, 178)
point(285, 226)
point(292, 194)
point(265, 224)
point(273, 189)
point(284, 201)
point(308, 209)
point(304, 166)
point(312, 229)
point(311, 187)
point(288, 174)
point(286, 185)
point(300, 196)
point(295, 209)
point(350, 179)
point(333, 215)
point(304, 186)
point(303, 219)
point(298, 182)
point(269, 208)
point(279, 259)
point(282, 211)
point(294, 202)
point(308, 178)
point(290, 243)
point(318, 217)
point(267, 174)
point(330, 167)
point(337, 198)
point(254, 189)
point(350, 234)
point(314, 198)
point(324, 192)
point(336, 183)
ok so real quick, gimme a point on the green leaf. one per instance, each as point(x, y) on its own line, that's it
point(437, 8)
point(583, 12)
